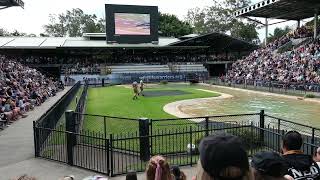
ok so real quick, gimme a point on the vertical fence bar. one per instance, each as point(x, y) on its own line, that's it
point(191, 146)
point(70, 128)
point(262, 122)
point(312, 140)
point(207, 126)
point(151, 138)
point(144, 139)
point(111, 155)
point(36, 140)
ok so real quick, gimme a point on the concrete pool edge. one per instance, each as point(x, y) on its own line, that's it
point(316, 100)
point(173, 108)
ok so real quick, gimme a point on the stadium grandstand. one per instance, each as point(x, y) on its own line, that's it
point(91, 55)
point(293, 58)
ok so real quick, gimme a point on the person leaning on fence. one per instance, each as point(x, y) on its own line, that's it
point(300, 166)
point(158, 169)
point(269, 166)
point(223, 156)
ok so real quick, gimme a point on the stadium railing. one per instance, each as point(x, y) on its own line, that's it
point(52, 116)
point(177, 139)
point(271, 86)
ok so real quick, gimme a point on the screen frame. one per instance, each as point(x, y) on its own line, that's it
point(111, 9)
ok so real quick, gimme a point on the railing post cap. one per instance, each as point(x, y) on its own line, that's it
point(143, 119)
point(69, 111)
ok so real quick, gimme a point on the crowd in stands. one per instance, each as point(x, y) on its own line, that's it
point(91, 65)
point(300, 65)
point(21, 89)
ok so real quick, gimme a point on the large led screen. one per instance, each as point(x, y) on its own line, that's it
point(132, 24)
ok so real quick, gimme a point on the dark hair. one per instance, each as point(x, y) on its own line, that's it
point(131, 175)
point(292, 140)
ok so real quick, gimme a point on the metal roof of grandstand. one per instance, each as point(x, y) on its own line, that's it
point(9, 3)
point(218, 42)
point(281, 9)
point(72, 42)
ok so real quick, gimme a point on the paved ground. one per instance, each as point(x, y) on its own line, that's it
point(17, 153)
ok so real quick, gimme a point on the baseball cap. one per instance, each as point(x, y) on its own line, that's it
point(269, 163)
point(220, 151)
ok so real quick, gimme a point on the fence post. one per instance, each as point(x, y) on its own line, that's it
point(262, 126)
point(191, 150)
point(144, 139)
point(111, 155)
point(71, 137)
point(102, 82)
point(36, 140)
point(151, 133)
point(312, 140)
point(207, 126)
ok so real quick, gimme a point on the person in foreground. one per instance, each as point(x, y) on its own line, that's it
point(223, 157)
point(300, 166)
point(269, 166)
point(158, 169)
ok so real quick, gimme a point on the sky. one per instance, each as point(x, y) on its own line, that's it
point(36, 12)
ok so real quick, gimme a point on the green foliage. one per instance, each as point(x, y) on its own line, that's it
point(311, 23)
point(74, 23)
point(171, 26)
point(278, 33)
point(309, 96)
point(3, 32)
point(219, 18)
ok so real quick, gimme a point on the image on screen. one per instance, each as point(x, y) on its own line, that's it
point(132, 24)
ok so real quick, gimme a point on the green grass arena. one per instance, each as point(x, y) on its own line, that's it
point(117, 101)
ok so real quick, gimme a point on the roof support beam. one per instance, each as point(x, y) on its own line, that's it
point(266, 41)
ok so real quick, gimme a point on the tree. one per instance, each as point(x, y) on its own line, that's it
point(244, 31)
point(17, 33)
point(73, 23)
point(3, 32)
point(219, 18)
point(171, 26)
point(278, 33)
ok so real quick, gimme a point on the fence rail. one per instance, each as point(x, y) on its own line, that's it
point(115, 154)
point(271, 86)
point(52, 116)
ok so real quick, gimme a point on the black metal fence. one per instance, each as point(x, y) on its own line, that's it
point(52, 116)
point(80, 107)
point(271, 86)
point(176, 139)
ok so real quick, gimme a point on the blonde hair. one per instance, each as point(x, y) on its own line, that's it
point(230, 172)
point(152, 168)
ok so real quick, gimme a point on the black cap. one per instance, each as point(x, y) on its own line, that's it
point(269, 163)
point(220, 151)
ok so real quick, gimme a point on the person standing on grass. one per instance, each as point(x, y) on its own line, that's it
point(141, 87)
point(135, 90)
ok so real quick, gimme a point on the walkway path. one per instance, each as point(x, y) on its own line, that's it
point(16, 141)
point(17, 152)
